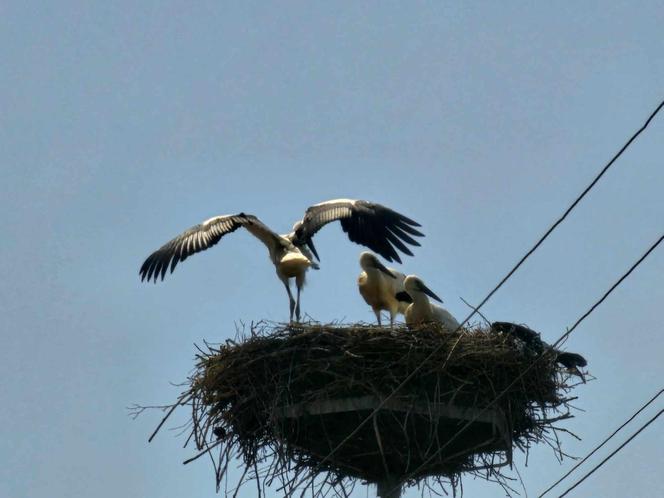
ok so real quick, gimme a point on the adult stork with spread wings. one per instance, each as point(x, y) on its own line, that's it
point(375, 226)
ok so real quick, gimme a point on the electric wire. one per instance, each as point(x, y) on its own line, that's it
point(498, 286)
point(562, 337)
point(588, 474)
point(606, 440)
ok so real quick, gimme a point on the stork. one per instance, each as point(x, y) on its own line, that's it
point(421, 310)
point(370, 224)
point(379, 285)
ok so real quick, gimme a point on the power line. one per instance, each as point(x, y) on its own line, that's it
point(562, 337)
point(612, 453)
point(495, 289)
point(634, 415)
point(606, 294)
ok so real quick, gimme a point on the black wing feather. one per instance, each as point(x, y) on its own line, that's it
point(571, 360)
point(370, 236)
point(406, 229)
point(196, 239)
point(531, 338)
point(372, 225)
point(312, 248)
point(403, 297)
point(394, 239)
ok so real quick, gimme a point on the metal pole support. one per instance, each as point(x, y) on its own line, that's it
point(389, 487)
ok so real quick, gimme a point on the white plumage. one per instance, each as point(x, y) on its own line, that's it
point(423, 311)
point(379, 286)
point(366, 223)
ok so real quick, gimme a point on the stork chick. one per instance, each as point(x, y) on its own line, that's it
point(421, 310)
point(379, 286)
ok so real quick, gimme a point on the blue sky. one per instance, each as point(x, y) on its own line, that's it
point(124, 123)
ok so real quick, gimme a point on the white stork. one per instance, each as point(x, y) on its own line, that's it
point(379, 286)
point(421, 310)
point(373, 225)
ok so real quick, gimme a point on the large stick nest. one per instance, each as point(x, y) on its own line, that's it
point(287, 400)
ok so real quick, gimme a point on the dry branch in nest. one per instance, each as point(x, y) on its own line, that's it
point(283, 398)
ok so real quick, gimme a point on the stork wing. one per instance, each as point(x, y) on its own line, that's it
point(571, 360)
point(200, 237)
point(372, 225)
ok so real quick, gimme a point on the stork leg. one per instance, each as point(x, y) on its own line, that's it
point(297, 305)
point(290, 298)
point(377, 313)
point(299, 283)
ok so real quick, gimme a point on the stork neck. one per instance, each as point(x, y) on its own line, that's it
point(372, 272)
point(419, 297)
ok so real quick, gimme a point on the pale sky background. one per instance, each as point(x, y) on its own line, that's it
point(124, 123)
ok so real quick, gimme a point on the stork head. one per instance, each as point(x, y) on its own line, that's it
point(414, 285)
point(369, 261)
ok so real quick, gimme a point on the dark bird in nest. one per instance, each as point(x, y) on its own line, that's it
point(571, 361)
point(372, 225)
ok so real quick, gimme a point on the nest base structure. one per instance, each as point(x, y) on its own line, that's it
point(299, 402)
point(404, 434)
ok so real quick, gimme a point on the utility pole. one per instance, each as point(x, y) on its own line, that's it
point(390, 487)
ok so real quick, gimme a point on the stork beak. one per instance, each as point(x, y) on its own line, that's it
point(430, 293)
point(380, 266)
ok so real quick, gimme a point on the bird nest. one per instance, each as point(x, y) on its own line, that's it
point(310, 406)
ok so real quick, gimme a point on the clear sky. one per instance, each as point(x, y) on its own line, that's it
point(123, 123)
